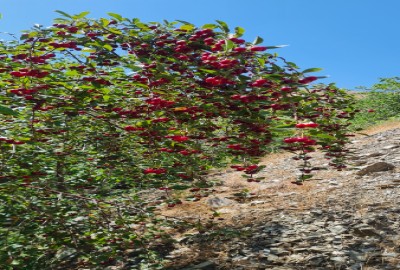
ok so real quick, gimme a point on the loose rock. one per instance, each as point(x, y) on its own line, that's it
point(376, 167)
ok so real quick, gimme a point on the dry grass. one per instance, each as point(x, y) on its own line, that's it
point(388, 125)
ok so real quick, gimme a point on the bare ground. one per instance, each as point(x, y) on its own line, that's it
point(247, 238)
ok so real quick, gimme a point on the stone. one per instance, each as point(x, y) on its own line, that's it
point(392, 146)
point(319, 249)
point(359, 162)
point(274, 258)
point(316, 260)
point(290, 239)
point(295, 258)
point(388, 186)
point(376, 167)
point(240, 258)
point(207, 265)
point(357, 256)
point(339, 259)
point(317, 212)
point(365, 230)
point(300, 250)
point(312, 237)
point(338, 229)
point(279, 251)
point(216, 202)
point(390, 254)
point(370, 155)
point(253, 203)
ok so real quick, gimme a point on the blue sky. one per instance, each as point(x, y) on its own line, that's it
point(354, 41)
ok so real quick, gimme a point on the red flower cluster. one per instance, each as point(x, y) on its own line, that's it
point(235, 147)
point(216, 81)
point(247, 169)
point(11, 141)
point(258, 49)
point(66, 45)
point(259, 83)
point(158, 102)
point(29, 73)
point(154, 171)
point(308, 79)
point(133, 128)
point(161, 120)
point(178, 138)
point(307, 125)
point(302, 140)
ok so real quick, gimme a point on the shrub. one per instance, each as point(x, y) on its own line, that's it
point(380, 103)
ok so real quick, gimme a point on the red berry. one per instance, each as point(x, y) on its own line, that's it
point(258, 49)
point(307, 80)
point(179, 138)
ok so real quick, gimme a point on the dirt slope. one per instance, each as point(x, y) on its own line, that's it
point(341, 220)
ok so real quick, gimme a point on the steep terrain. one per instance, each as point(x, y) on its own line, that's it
point(346, 219)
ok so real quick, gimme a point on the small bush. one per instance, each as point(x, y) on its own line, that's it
point(380, 103)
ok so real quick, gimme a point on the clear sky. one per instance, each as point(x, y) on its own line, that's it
point(354, 41)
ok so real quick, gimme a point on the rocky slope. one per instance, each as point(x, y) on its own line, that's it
point(341, 220)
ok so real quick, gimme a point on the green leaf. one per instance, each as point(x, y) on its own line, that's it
point(108, 47)
point(312, 70)
point(258, 40)
point(104, 22)
point(7, 111)
point(81, 15)
point(276, 47)
point(184, 22)
point(229, 45)
point(15, 262)
point(305, 177)
point(187, 27)
point(1, 16)
point(71, 73)
point(33, 34)
point(115, 16)
point(207, 70)
point(60, 20)
point(244, 78)
point(261, 61)
point(292, 65)
point(142, 26)
point(223, 26)
point(64, 14)
point(114, 31)
point(209, 26)
point(291, 126)
point(15, 246)
point(239, 31)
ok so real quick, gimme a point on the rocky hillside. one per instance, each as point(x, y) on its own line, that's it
point(340, 220)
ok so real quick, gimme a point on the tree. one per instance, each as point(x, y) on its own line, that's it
point(96, 113)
